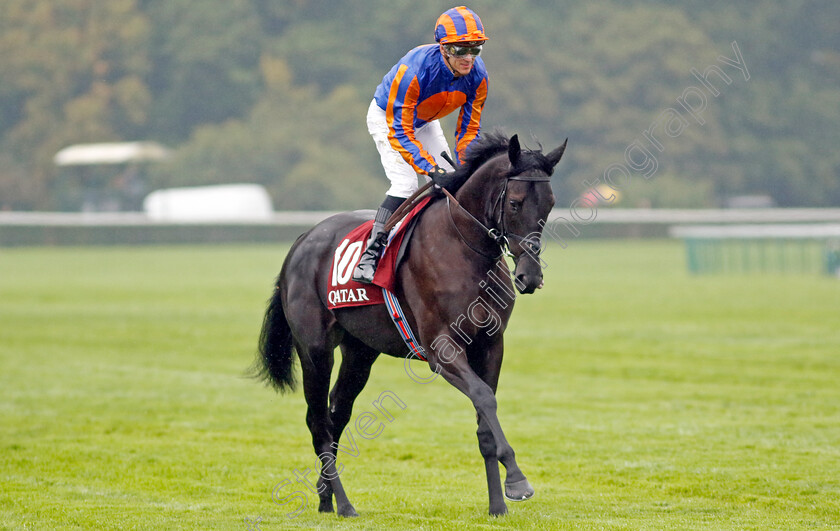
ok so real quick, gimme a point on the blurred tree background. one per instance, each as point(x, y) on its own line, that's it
point(275, 92)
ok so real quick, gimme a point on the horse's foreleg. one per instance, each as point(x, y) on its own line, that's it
point(487, 447)
point(458, 373)
point(517, 487)
point(487, 367)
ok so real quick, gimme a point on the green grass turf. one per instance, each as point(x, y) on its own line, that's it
point(635, 396)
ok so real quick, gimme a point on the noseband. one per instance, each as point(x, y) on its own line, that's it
point(501, 238)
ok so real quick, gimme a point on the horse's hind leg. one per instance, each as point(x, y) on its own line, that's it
point(316, 365)
point(356, 361)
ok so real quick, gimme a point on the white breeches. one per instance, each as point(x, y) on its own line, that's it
point(402, 176)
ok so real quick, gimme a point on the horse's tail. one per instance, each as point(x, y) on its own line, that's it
point(275, 365)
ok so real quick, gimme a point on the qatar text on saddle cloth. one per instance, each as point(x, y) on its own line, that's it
point(343, 291)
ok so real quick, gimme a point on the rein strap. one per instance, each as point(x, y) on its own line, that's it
point(500, 239)
point(406, 206)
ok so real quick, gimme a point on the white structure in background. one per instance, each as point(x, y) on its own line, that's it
point(109, 177)
point(225, 202)
point(110, 153)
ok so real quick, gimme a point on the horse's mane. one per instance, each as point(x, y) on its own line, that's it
point(489, 146)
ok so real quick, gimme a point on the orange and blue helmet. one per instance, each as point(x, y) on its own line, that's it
point(459, 24)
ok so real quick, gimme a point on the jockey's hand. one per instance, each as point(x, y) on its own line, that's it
point(441, 177)
point(438, 175)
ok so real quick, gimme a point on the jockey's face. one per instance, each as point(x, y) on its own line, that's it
point(460, 64)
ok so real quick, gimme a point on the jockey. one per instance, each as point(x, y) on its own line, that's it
point(429, 82)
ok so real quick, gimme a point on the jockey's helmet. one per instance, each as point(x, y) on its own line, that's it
point(459, 24)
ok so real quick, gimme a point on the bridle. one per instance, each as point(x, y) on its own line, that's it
point(501, 238)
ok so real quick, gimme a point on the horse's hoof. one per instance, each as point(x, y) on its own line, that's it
point(519, 491)
point(325, 507)
point(499, 510)
point(347, 512)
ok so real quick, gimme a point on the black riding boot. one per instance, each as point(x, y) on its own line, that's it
point(366, 267)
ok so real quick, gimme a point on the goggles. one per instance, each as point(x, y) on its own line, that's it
point(461, 51)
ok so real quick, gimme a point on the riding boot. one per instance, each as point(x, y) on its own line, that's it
point(366, 268)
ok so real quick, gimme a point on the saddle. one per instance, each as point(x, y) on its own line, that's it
point(342, 290)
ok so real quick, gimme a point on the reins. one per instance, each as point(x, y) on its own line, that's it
point(501, 239)
point(406, 206)
point(493, 233)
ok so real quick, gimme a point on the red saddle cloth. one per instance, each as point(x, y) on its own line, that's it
point(342, 290)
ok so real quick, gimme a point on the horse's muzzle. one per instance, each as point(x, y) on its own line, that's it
point(527, 284)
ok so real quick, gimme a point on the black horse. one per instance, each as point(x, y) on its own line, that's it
point(453, 261)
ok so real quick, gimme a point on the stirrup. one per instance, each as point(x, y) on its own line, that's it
point(365, 270)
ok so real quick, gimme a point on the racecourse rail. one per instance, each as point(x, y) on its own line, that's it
point(134, 228)
point(765, 248)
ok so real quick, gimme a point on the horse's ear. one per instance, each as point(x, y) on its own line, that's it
point(554, 156)
point(514, 150)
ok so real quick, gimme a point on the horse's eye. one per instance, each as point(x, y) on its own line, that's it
point(514, 205)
